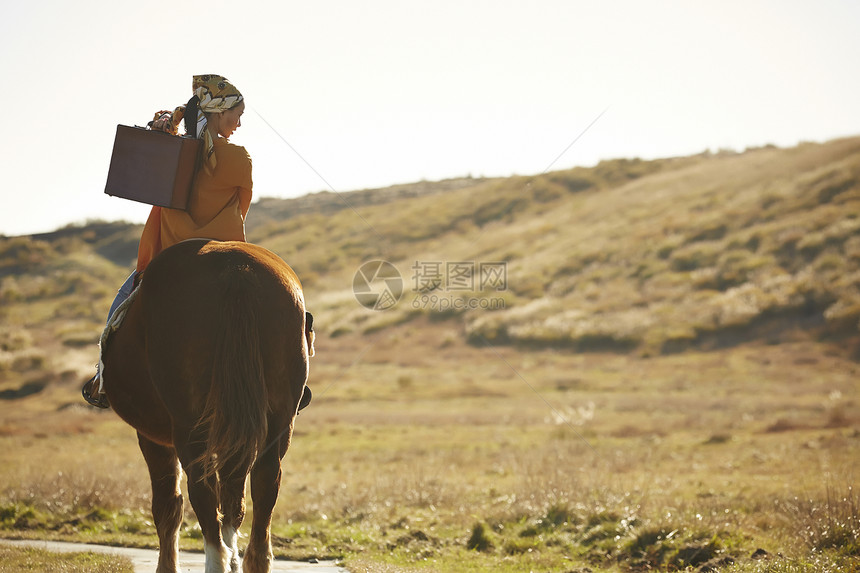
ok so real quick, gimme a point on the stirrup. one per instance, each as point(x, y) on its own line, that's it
point(306, 398)
point(86, 392)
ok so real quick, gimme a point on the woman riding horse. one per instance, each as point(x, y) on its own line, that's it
point(219, 200)
point(210, 362)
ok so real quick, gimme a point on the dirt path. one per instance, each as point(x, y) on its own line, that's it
point(145, 560)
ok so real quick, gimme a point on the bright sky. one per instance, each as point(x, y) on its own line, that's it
point(379, 92)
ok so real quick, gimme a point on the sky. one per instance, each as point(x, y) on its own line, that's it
point(347, 95)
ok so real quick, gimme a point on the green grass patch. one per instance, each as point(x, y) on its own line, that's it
point(19, 559)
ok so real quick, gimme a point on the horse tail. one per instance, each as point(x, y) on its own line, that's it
point(234, 418)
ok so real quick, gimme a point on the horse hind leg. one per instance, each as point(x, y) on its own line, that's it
point(204, 500)
point(265, 483)
point(165, 474)
point(231, 497)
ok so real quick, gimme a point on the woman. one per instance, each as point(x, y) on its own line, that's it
point(221, 195)
point(222, 189)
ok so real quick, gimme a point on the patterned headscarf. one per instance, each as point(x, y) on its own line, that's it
point(215, 95)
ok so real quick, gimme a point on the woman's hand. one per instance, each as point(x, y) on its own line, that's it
point(163, 121)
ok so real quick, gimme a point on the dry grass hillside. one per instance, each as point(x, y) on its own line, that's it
point(652, 257)
point(658, 370)
point(645, 256)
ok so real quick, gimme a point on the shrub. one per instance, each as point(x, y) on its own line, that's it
point(709, 232)
point(830, 190)
point(574, 181)
point(519, 546)
point(842, 317)
point(544, 191)
point(12, 339)
point(502, 207)
point(620, 171)
point(696, 256)
point(480, 539)
point(737, 267)
point(811, 244)
point(829, 262)
point(669, 245)
point(558, 514)
point(18, 254)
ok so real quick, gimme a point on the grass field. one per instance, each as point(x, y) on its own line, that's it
point(466, 459)
point(17, 560)
point(670, 381)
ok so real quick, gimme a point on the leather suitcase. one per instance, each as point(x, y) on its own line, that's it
point(152, 167)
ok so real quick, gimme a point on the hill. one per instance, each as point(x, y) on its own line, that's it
point(271, 212)
point(652, 256)
point(628, 256)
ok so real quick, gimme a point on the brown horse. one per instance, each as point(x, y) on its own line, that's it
point(209, 366)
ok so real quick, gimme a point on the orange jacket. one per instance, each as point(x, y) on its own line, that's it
point(216, 210)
